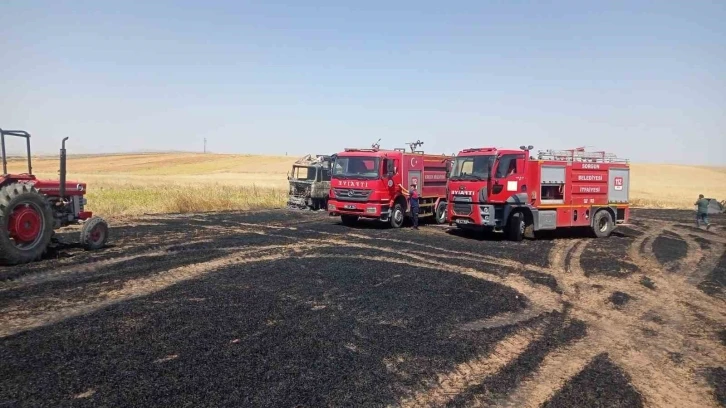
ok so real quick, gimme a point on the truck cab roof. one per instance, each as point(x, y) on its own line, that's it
point(478, 151)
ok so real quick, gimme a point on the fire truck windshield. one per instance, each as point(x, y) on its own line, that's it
point(472, 167)
point(356, 167)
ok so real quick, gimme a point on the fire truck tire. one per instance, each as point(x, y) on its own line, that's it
point(23, 206)
point(397, 216)
point(441, 213)
point(516, 227)
point(94, 234)
point(348, 220)
point(602, 224)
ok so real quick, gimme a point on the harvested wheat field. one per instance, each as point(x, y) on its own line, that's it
point(289, 308)
point(138, 184)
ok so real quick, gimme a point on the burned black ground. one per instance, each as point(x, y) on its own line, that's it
point(600, 384)
point(320, 326)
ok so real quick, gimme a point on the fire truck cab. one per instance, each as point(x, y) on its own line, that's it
point(509, 191)
point(370, 183)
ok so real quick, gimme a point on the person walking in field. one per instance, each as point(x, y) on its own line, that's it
point(702, 212)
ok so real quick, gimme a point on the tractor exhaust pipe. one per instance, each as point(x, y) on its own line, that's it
point(63, 169)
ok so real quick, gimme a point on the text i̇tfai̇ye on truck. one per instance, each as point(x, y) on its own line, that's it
point(367, 183)
point(509, 191)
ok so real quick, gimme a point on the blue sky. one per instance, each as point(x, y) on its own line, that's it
point(646, 80)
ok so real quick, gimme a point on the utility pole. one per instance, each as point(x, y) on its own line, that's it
point(205, 145)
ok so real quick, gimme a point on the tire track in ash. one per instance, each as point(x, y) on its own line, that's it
point(541, 297)
point(465, 375)
point(696, 271)
point(70, 270)
point(60, 310)
point(476, 370)
point(540, 274)
point(557, 369)
point(615, 330)
point(560, 365)
point(650, 368)
point(660, 381)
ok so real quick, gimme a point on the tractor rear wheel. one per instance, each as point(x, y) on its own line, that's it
point(94, 234)
point(26, 224)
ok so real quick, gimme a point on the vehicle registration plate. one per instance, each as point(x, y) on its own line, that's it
point(462, 221)
point(349, 207)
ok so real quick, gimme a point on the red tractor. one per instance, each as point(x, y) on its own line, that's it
point(31, 209)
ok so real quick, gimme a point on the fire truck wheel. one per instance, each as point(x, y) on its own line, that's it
point(94, 234)
point(348, 220)
point(27, 224)
point(397, 216)
point(441, 213)
point(602, 224)
point(516, 227)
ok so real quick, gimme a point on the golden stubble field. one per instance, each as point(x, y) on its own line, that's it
point(133, 184)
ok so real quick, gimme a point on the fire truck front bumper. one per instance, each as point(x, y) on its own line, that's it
point(476, 216)
point(364, 210)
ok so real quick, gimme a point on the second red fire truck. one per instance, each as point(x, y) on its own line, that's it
point(367, 183)
point(509, 191)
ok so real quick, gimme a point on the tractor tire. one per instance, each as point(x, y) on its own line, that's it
point(602, 225)
point(441, 213)
point(94, 234)
point(26, 224)
point(516, 227)
point(349, 220)
point(397, 216)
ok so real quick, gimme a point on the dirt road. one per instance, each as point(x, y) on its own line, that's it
point(292, 309)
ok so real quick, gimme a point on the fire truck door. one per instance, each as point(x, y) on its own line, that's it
point(508, 179)
point(414, 177)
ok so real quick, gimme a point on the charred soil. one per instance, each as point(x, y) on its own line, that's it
point(290, 308)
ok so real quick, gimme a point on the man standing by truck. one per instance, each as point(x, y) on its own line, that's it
point(702, 212)
point(413, 202)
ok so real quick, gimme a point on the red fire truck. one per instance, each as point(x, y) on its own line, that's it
point(509, 191)
point(367, 183)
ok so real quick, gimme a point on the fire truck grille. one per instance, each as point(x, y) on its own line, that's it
point(462, 209)
point(346, 194)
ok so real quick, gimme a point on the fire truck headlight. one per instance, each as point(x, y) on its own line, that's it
point(331, 207)
point(371, 210)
